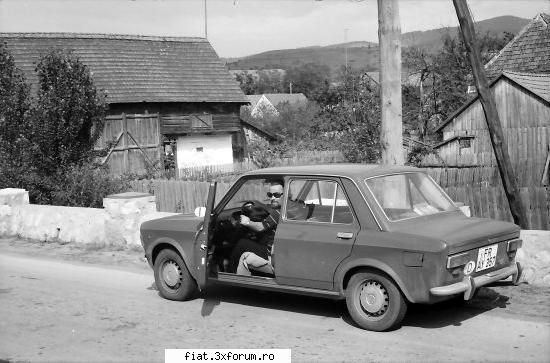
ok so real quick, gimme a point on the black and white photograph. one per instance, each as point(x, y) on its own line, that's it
point(274, 181)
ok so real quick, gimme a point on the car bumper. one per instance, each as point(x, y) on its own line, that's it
point(469, 284)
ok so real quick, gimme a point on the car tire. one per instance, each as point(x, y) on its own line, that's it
point(374, 301)
point(173, 280)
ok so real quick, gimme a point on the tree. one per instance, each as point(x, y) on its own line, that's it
point(445, 76)
point(69, 114)
point(354, 120)
point(14, 101)
point(310, 79)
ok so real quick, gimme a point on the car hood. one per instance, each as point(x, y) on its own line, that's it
point(179, 222)
point(459, 232)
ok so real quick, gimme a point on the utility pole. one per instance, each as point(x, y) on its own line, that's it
point(389, 37)
point(491, 115)
point(206, 20)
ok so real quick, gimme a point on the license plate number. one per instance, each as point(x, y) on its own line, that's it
point(486, 257)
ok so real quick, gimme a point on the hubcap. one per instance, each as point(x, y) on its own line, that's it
point(374, 298)
point(171, 273)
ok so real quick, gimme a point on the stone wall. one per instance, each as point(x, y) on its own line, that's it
point(116, 224)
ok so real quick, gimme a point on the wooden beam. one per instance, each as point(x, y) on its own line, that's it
point(491, 115)
point(391, 129)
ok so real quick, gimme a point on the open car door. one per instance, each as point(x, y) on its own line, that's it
point(203, 240)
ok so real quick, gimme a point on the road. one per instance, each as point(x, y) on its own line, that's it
point(57, 310)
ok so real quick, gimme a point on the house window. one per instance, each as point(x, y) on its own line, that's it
point(202, 121)
point(200, 149)
point(465, 143)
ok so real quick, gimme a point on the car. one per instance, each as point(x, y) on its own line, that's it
point(381, 237)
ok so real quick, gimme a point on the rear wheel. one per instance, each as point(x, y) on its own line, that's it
point(374, 301)
point(174, 282)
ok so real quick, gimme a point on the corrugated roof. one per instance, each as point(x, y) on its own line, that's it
point(529, 51)
point(136, 68)
point(538, 83)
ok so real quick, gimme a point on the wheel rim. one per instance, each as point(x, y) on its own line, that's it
point(171, 274)
point(374, 298)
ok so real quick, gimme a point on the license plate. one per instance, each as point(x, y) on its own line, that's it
point(486, 257)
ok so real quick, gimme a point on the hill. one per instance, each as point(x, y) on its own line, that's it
point(364, 55)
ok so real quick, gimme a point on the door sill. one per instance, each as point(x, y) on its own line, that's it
point(268, 283)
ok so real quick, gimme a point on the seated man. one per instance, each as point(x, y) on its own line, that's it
point(256, 255)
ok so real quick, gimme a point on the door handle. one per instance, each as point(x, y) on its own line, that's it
point(203, 247)
point(345, 235)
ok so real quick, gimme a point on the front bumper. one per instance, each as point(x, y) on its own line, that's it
point(469, 284)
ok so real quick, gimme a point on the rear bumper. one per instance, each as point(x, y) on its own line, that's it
point(469, 284)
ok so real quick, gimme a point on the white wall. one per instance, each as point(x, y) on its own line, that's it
point(216, 150)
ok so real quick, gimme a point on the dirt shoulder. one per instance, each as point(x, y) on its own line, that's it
point(524, 301)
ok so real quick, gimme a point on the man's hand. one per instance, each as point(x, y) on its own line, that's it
point(245, 221)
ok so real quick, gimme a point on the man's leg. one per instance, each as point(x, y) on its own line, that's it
point(252, 261)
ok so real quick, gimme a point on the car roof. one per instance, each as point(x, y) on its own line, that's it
point(354, 171)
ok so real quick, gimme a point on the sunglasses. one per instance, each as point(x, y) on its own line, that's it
point(276, 195)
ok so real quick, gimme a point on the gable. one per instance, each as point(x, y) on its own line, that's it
point(135, 69)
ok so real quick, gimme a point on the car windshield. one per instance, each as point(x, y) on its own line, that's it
point(408, 195)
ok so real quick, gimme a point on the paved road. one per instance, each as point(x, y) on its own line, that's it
point(62, 311)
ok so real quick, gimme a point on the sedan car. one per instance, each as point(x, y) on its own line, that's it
point(380, 237)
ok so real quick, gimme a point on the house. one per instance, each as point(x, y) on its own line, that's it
point(523, 104)
point(520, 82)
point(254, 132)
point(262, 105)
point(160, 91)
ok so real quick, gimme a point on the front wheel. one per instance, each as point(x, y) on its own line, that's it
point(374, 301)
point(173, 280)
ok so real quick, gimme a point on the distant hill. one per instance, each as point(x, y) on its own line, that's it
point(364, 55)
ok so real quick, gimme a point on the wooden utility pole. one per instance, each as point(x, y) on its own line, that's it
point(491, 115)
point(389, 37)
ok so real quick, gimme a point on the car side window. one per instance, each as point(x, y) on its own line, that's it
point(320, 200)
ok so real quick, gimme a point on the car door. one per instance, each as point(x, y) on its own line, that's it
point(203, 240)
point(316, 232)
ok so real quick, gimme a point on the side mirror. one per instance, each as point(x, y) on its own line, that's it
point(200, 211)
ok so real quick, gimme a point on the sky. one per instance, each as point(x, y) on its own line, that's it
point(238, 28)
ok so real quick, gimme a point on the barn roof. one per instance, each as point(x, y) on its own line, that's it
point(134, 68)
point(528, 51)
point(535, 83)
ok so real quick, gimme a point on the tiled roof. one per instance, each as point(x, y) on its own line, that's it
point(529, 51)
point(136, 68)
point(277, 98)
point(538, 83)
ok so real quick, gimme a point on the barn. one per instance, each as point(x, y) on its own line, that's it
point(165, 95)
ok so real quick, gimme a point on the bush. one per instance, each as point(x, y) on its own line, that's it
point(86, 186)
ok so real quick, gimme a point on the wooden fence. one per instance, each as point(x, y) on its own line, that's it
point(479, 188)
point(482, 190)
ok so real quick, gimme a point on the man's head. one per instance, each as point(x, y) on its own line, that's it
point(274, 194)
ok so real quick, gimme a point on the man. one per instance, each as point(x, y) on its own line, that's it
point(256, 255)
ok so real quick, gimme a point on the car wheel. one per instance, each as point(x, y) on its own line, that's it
point(174, 282)
point(374, 301)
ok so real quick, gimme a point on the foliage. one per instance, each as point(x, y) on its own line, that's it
point(353, 121)
point(311, 79)
point(69, 113)
point(445, 76)
point(47, 144)
point(264, 154)
point(265, 82)
point(86, 186)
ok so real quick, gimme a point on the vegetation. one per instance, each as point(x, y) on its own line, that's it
point(47, 142)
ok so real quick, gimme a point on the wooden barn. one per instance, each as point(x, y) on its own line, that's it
point(165, 95)
point(523, 105)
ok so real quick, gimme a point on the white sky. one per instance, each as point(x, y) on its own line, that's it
point(244, 27)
